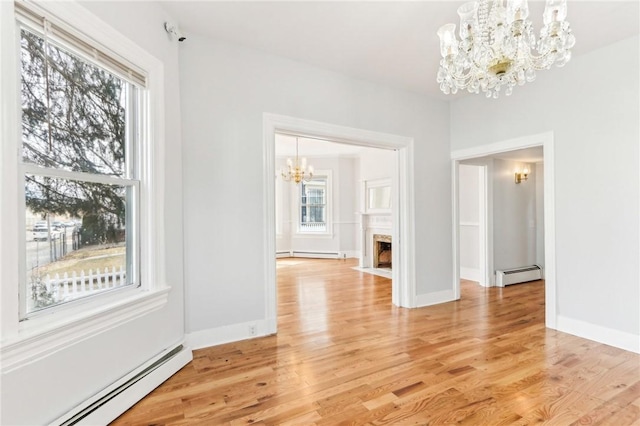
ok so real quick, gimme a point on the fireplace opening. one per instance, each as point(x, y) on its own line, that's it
point(382, 253)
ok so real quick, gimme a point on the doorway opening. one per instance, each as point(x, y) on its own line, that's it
point(500, 225)
point(401, 187)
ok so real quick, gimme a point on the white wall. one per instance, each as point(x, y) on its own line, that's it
point(514, 232)
point(343, 199)
point(40, 392)
point(376, 164)
point(513, 209)
point(346, 221)
point(225, 89)
point(594, 119)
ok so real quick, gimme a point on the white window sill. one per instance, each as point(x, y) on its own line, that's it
point(40, 337)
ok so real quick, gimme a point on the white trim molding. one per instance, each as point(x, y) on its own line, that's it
point(403, 283)
point(502, 146)
point(597, 333)
point(435, 298)
point(71, 330)
point(471, 274)
point(120, 400)
point(228, 333)
point(546, 140)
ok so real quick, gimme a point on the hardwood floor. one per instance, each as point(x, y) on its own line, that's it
point(345, 355)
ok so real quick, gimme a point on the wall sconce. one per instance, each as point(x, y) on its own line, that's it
point(522, 175)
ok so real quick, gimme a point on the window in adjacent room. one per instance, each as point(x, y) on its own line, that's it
point(313, 205)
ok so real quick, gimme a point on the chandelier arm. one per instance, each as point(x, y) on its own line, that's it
point(463, 77)
point(535, 60)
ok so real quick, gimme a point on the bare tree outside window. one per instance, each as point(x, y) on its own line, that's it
point(78, 158)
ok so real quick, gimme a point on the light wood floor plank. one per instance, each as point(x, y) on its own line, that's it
point(344, 355)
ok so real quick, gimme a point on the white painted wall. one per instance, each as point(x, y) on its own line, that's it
point(346, 220)
point(343, 195)
point(40, 392)
point(376, 164)
point(514, 233)
point(225, 89)
point(512, 208)
point(594, 119)
point(469, 226)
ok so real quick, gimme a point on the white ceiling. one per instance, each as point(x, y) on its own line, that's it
point(387, 42)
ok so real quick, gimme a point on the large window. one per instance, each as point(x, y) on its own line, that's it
point(313, 206)
point(82, 157)
point(80, 122)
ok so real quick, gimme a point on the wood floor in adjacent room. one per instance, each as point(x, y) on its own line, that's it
point(345, 355)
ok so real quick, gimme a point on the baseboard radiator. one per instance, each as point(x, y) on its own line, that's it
point(518, 275)
point(316, 254)
point(107, 405)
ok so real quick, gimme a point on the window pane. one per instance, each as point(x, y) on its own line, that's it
point(77, 241)
point(73, 112)
point(313, 206)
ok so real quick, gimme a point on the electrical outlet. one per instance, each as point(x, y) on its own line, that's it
point(252, 330)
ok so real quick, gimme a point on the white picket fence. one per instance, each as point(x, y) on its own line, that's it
point(313, 227)
point(83, 284)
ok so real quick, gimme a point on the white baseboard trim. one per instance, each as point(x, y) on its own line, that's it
point(385, 273)
point(608, 336)
point(228, 333)
point(472, 274)
point(434, 298)
point(283, 253)
point(348, 254)
point(121, 402)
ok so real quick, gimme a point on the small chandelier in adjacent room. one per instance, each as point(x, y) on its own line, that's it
point(297, 171)
point(497, 46)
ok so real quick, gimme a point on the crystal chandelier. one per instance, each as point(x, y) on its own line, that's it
point(297, 172)
point(497, 46)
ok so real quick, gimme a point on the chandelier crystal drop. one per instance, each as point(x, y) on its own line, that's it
point(497, 46)
point(297, 170)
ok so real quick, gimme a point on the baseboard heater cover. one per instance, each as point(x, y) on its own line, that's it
point(518, 275)
point(179, 356)
point(316, 254)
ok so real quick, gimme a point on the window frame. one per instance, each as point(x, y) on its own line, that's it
point(279, 203)
point(129, 178)
point(327, 176)
point(23, 342)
